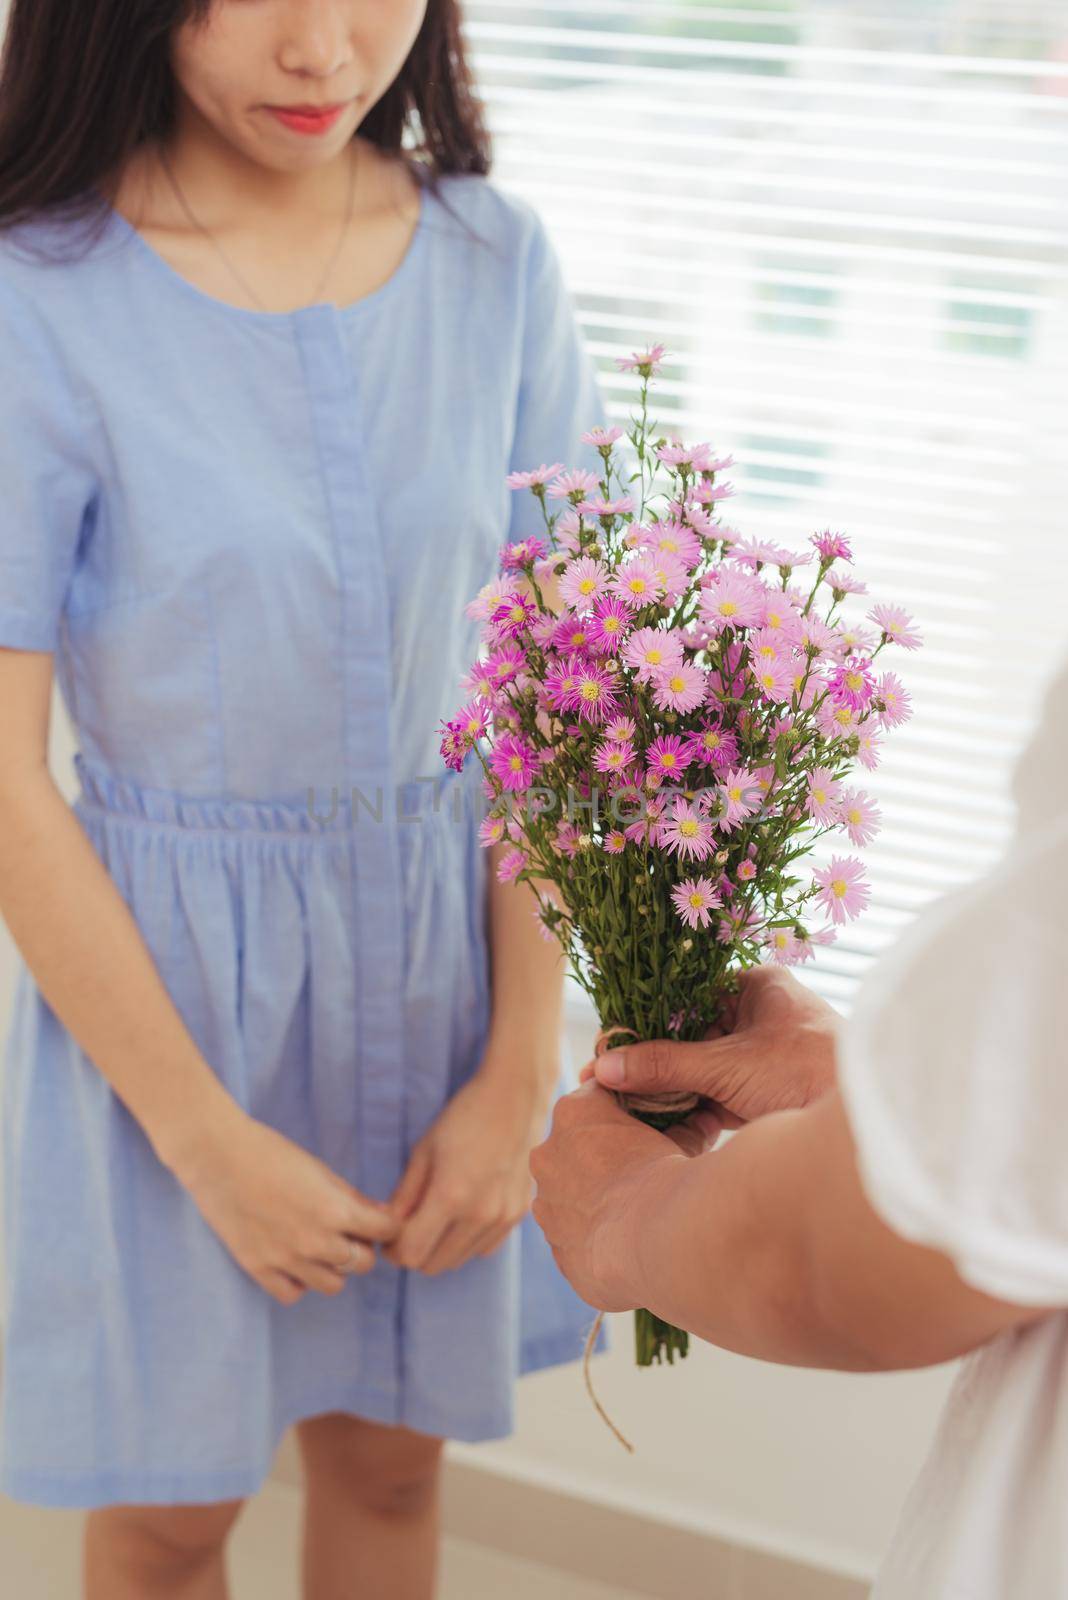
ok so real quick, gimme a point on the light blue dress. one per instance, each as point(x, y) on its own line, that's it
point(249, 537)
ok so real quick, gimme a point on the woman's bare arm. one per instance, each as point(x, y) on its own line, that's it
point(80, 940)
point(285, 1216)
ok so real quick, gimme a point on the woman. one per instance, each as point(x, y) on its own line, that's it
point(267, 1120)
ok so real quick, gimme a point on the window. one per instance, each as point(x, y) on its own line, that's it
point(776, 469)
point(985, 319)
point(794, 298)
point(846, 220)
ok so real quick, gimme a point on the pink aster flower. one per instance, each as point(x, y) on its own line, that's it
point(896, 626)
point(836, 721)
point(673, 575)
point(487, 599)
point(645, 362)
point(513, 762)
point(892, 701)
point(583, 582)
point(694, 899)
point(667, 756)
point(512, 615)
point(711, 463)
point(769, 644)
point(600, 435)
point(765, 780)
point(620, 729)
point(636, 582)
point(823, 794)
point(843, 583)
point(608, 625)
point(774, 677)
point(523, 552)
point(537, 478)
point(613, 756)
point(567, 841)
point(678, 454)
point(734, 601)
point(738, 928)
point(510, 866)
point(453, 747)
point(816, 636)
point(543, 628)
point(490, 831)
point(674, 538)
point(687, 833)
point(597, 506)
point(706, 493)
point(854, 639)
point(615, 842)
point(783, 946)
point(746, 871)
point(843, 890)
point(572, 633)
point(561, 681)
point(851, 684)
point(574, 486)
point(478, 682)
point(859, 816)
point(648, 650)
point(595, 696)
point(739, 797)
point(713, 745)
point(503, 665)
point(869, 748)
point(757, 553)
point(832, 546)
point(780, 617)
point(711, 492)
point(679, 688)
point(472, 722)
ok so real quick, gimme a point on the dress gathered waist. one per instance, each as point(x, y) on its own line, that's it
point(322, 810)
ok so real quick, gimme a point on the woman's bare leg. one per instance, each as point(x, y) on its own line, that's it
point(157, 1552)
point(372, 1509)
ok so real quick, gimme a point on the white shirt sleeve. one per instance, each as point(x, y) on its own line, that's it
point(954, 1062)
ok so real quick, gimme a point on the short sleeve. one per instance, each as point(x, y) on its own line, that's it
point(559, 395)
point(47, 480)
point(954, 1061)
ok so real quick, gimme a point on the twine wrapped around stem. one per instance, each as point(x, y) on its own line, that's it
point(672, 1102)
point(672, 1106)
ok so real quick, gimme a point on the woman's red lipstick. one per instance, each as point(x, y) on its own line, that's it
point(307, 119)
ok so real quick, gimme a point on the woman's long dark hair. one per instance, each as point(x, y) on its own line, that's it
point(84, 82)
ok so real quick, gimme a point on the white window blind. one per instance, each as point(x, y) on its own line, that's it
point(848, 222)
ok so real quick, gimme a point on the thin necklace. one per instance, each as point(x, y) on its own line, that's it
point(226, 259)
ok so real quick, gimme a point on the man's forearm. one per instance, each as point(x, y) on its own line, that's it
point(770, 1247)
point(723, 1250)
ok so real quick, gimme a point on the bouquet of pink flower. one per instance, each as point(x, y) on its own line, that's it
point(667, 717)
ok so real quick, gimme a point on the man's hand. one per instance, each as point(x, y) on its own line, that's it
point(595, 1173)
point(777, 1055)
